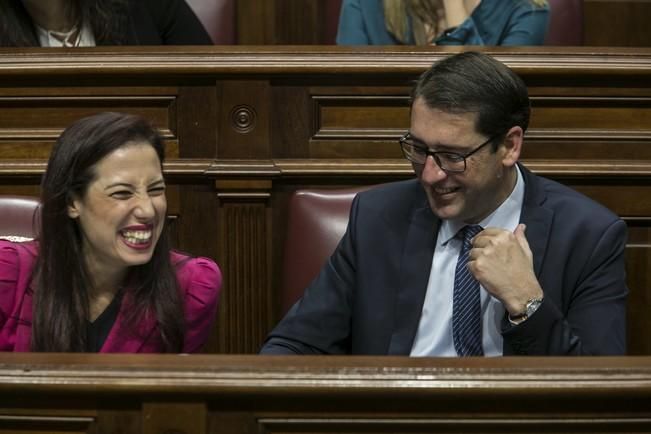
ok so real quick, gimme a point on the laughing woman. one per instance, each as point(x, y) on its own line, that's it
point(101, 276)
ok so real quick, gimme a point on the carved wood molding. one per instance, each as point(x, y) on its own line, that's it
point(211, 373)
point(400, 167)
point(202, 61)
point(288, 168)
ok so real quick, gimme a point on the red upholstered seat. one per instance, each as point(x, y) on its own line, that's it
point(218, 17)
point(317, 219)
point(18, 217)
point(565, 23)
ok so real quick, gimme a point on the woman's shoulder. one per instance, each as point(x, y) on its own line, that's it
point(196, 271)
point(182, 260)
point(17, 261)
point(11, 249)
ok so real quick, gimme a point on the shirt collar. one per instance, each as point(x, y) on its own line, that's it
point(506, 216)
point(85, 37)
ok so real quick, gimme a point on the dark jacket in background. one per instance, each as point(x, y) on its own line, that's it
point(164, 22)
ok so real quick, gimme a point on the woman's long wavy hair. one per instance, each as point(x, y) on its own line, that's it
point(61, 279)
point(108, 20)
point(421, 13)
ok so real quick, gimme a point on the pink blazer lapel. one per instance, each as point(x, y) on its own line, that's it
point(122, 339)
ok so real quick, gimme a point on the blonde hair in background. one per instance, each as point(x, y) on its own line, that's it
point(427, 16)
point(395, 18)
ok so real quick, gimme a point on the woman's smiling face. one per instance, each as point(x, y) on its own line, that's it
point(122, 213)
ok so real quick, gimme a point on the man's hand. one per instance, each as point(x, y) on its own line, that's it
point(503, 263)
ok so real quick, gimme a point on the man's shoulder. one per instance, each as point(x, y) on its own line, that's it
point(393, 202)
point(407, 190)
point(573, 204)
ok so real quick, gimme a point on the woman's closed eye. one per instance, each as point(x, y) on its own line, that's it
point(157, 191)
point(121, 194)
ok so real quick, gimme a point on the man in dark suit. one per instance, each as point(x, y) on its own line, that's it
point(478, 256)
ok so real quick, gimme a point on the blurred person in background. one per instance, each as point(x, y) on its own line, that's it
point(443, 22)
point(88, 23)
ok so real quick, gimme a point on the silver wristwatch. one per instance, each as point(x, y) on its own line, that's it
point(530, 308)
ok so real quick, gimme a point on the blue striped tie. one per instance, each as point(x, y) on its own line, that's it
point(466, 305)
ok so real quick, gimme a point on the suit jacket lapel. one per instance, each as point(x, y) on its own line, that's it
point(537, 218)
point(539, 221)
point(122, 339)
point(416, 263)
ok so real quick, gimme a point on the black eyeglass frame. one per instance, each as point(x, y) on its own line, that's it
point(435, 154)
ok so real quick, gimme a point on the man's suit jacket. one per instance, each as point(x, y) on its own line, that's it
point(369, 296)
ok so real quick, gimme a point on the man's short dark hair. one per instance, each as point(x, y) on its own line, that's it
point(473, 82)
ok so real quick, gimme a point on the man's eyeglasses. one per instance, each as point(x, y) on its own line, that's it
point(446, 160)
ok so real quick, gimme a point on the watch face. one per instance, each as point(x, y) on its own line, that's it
point(533, 306)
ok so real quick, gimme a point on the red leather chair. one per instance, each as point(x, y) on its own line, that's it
point(18, 217)
point(317, 220)
point(565, 23)
point(218, 17)
point(332, 11)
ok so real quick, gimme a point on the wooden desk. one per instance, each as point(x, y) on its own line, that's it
point(247, 125)
point(66, 393)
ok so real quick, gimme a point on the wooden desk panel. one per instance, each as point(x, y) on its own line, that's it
point(246, 394)
point(248, 125)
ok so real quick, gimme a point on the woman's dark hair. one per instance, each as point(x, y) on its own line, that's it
point(61, 280)
point(108, 20)
point(473, 82)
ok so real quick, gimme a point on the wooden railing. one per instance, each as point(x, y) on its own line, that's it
point(68, 393)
